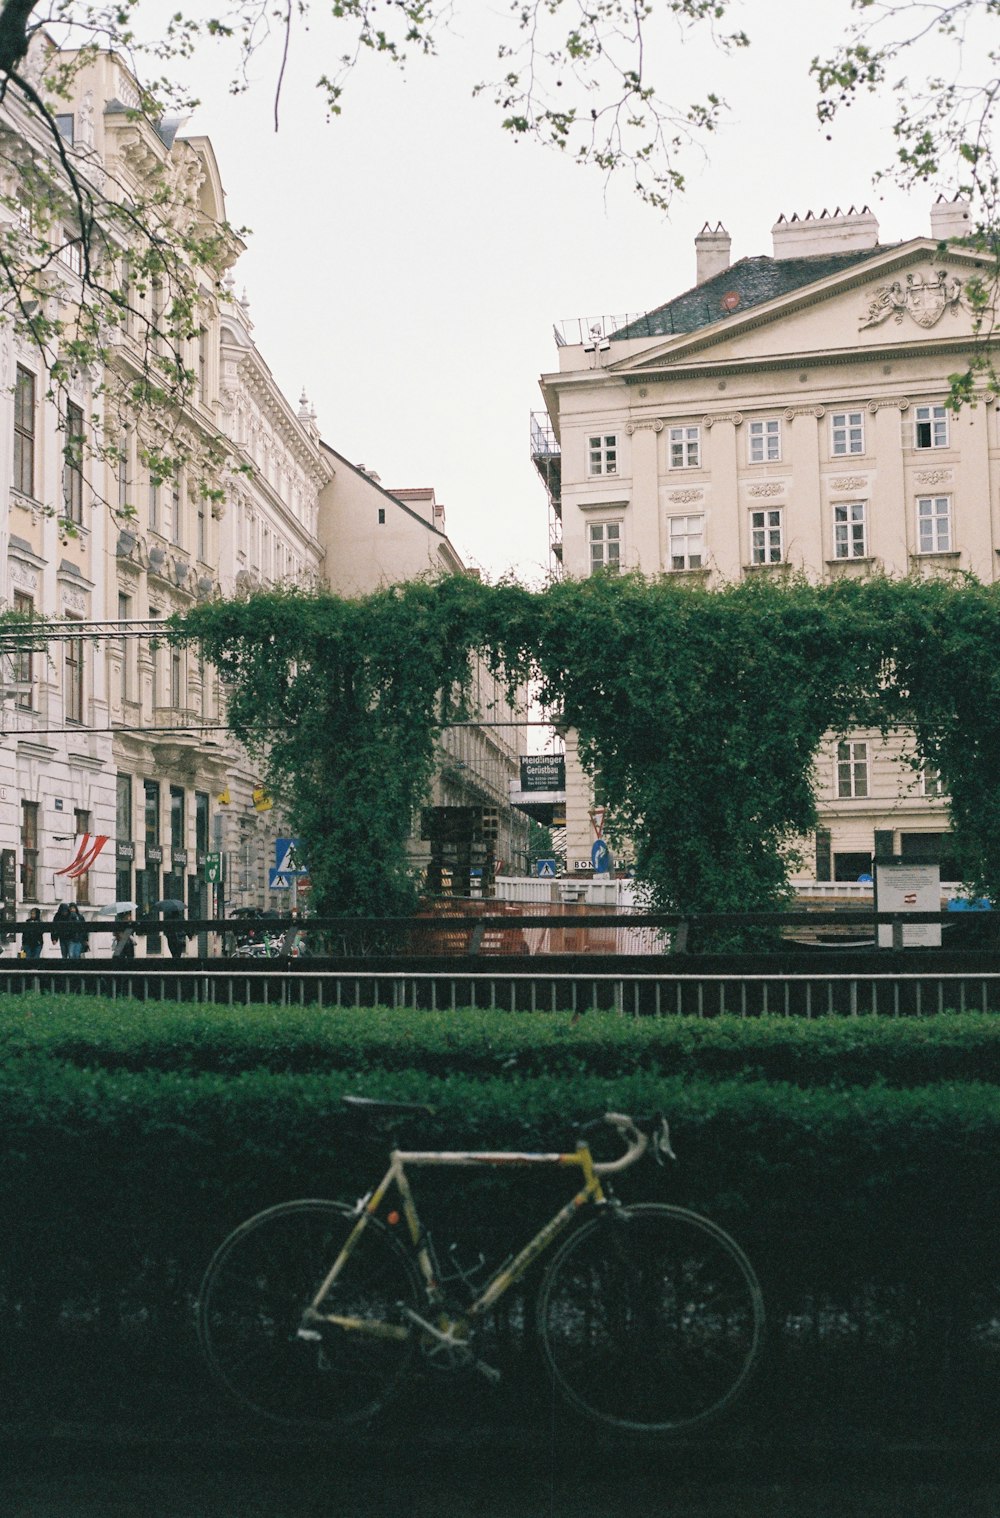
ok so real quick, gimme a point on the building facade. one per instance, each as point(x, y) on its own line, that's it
point(374, 537)
point(787, 411)
point(110, 734)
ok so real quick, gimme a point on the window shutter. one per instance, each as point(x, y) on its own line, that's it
point(906, 433)
point(884, 840)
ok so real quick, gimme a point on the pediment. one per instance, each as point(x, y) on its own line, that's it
point(899, 297)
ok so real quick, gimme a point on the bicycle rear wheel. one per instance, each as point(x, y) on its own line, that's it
point(250, 1308)
point(650, 1319)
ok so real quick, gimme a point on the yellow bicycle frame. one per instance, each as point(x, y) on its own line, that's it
point(501, 1282)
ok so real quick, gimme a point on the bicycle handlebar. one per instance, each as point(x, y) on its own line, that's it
point(636, 1140)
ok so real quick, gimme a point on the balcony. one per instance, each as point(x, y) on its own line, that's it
point(547, 458)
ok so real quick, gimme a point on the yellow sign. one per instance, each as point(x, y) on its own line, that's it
point(261, 800)
point(223, 797)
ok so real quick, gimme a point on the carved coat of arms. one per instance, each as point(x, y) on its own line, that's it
point(925, 298)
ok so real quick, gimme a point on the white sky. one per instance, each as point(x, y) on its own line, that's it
point(408, 260)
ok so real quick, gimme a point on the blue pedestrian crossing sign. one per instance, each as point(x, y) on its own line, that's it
point(288, 860)
point(545, 868)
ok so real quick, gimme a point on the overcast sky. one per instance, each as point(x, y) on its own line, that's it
point(407, 260)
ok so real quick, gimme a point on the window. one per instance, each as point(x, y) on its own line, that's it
point(177, 832)
point(175, 515)
point(685, 447)
point(154, 662)
point(764, 442)
point(157, 315)
point(176, 680)
point(29, 850)
point(853, 867)
point(931, 783)
point(201, 821)
point(153, 505)
point(125, 295)
point(125, 673)
point(847, 433)
point(930, 427)
point(71, 253)
point(123, 808)
point(65, 126)
point(82, 824)
point(852, 769)
point(687, 542)
point(201, 528)
point(73, 679)
point(151, 817)
point(602, 454)
point(849, 532)
point(934, 523)
point(24, 660)
point(203, 365)
point(24, 432)
point(381, 516)
point(123, 474)
point(72, 480)
point(766, 537)
point(605, 545)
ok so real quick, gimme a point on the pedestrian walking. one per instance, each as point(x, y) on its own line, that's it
point(33, 935)
point(123, 938)
point(69, 931)
point(75, 932)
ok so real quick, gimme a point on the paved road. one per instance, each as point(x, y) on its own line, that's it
point(77, 1478)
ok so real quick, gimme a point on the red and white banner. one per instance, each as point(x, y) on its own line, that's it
point(91, 845)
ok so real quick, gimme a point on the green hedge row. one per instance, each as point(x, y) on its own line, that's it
point(856, 1162)
point(829, 1051)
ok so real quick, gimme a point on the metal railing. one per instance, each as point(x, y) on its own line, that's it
point(703, 995)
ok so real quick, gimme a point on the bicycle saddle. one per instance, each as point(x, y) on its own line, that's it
point(371, 1106)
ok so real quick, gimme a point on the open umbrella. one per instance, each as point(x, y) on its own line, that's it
point(113, 908)
point(169, 907)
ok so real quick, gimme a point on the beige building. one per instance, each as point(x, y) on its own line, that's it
point(374, 537)
point(109, 734)
point(786, 410)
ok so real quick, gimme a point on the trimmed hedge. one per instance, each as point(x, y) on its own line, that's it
point(115, 1035)
point(856, 1162)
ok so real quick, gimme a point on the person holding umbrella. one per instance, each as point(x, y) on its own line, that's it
point(172, 912)
point(122, 940)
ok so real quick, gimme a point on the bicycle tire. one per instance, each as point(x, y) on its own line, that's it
point(650, 1318)
point(250, 1308)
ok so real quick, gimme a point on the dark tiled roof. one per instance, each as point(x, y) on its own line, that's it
point(748, 282)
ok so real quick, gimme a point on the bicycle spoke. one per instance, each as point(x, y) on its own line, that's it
point(253, 1298)
point(650, 1318)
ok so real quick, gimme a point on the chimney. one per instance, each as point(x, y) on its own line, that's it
point(711, 251)
point(950, 219)
point(831, 232)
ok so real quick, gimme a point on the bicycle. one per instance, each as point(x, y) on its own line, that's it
point(650, 1317)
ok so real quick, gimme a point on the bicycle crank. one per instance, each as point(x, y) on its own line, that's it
point(447, 1349)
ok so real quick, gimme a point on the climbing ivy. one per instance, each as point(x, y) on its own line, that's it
point(702, 711)
point(341, 702)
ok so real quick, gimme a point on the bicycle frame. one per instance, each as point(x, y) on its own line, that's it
point(503, 1279)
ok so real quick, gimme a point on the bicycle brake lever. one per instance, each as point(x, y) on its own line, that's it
point(661, 1142)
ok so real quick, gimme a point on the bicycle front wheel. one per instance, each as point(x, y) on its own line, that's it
point(650, 1319)
point(250, 1309)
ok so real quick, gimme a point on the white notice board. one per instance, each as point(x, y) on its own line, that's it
point(902, 887)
